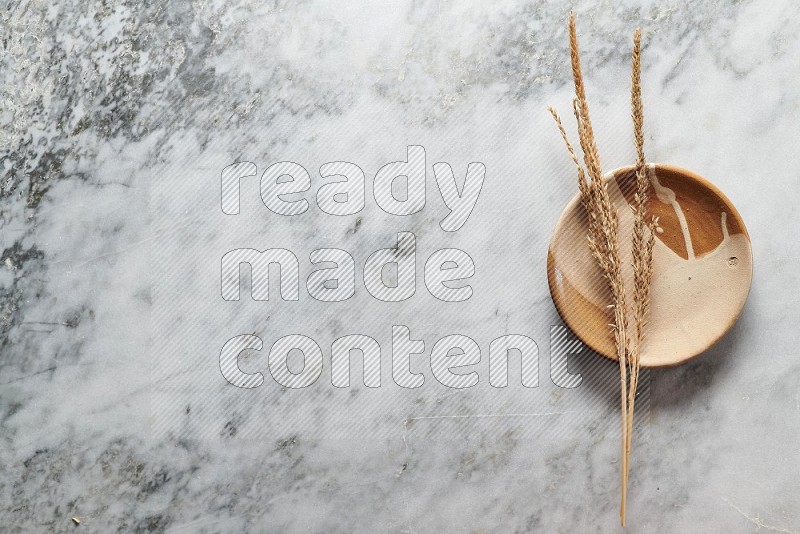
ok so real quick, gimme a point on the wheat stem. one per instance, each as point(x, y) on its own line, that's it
point(603, 241)
point(642, 244)
point(603, 237)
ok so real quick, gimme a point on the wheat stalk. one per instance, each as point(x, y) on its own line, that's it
point(642, 245)
point(604, 239)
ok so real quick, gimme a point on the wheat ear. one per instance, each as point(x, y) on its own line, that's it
point(603, 236)
point(642, 241)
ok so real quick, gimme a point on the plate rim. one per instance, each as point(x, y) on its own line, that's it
point(676, 169)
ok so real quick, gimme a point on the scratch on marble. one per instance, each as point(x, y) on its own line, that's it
point(21, 378)
point(474, 416)
point(442, 397)
point(508, 210)
point(757, 520)
point(485, 415)
point(123, 250)
point(193, 525)
point(106, 255)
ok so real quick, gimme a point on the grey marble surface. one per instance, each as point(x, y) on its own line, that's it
point(118, 118)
